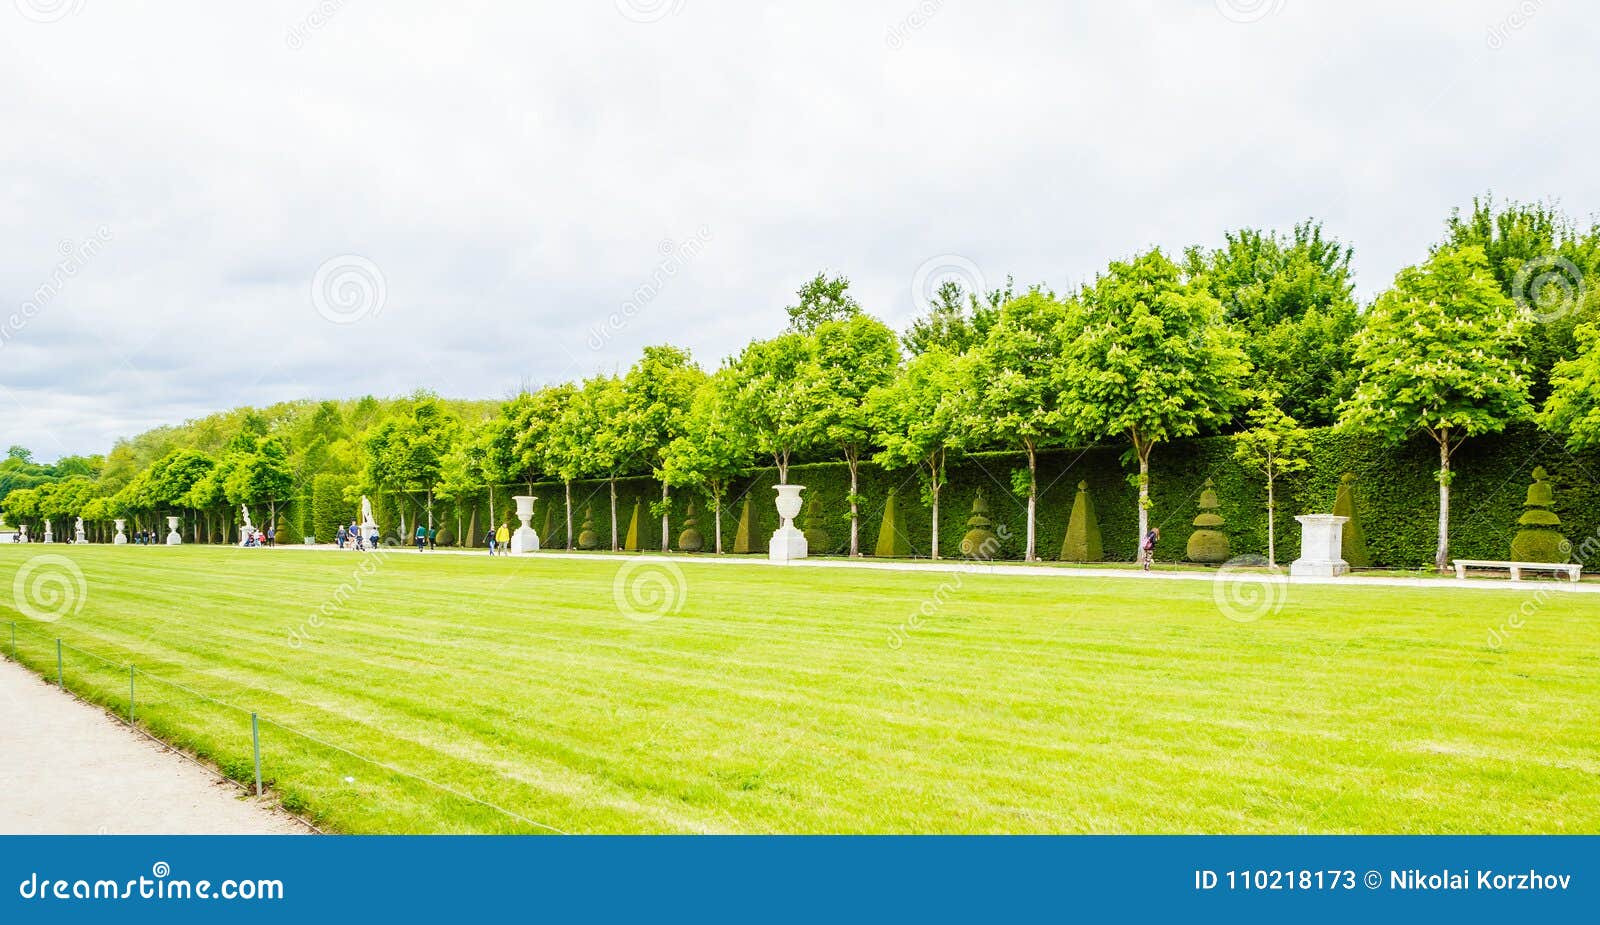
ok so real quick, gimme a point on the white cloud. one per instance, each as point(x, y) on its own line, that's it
point(514, 168)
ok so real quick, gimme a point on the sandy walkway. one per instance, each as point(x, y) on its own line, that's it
point(68, 769)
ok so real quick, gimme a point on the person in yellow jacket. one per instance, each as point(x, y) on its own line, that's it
point(502, 540)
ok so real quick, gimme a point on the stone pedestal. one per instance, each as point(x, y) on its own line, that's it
point(173, 539)
point(524, 539)
point(121, 539)
point(78, 533)
point(1320, 539)
point(788, 542)
point(49, 536)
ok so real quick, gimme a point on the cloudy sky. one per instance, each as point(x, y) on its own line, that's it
point(211, 204)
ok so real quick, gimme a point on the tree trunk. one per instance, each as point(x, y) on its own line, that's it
point(782, 459)
point(1144, 500)
point(493, 524)
point(665, 545)
point(1031, 555)
point(615, 544)
point(1441, 558)
point(854, 460)
point(430, 509)
point(934, 546)
point(1272, 545)
point(568, 485)
point(717, 514)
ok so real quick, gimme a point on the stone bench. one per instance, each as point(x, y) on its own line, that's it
point(1516, 569)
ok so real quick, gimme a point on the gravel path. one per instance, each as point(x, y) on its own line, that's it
point(66, 768)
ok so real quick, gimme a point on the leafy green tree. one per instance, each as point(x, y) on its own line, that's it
point(261, 475)
point(923, 415)
point(1017, 386)
point(1573, 408)
point(1546, 264)
point(1151, 359)
point(957, 320)
point(656, 397)
point(404, 453)
point(853, 356)
point(172, 479)
point(777, 399)
point(713, 448)
point(552, 427)
point(1273, 444)
point(1438, 355)
point(1294, 300)
point(610, 450)
point(822, 299)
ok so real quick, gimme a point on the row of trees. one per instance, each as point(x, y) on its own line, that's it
point(1261, 336)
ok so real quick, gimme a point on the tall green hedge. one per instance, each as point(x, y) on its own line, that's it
point(1395, 493)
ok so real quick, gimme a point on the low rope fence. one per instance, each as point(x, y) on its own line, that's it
point(256, 752)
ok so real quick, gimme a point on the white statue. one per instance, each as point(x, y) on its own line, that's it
point(49, 535)
point(245, 510)
point(77, 532)
point(247, 530)
point(366, 512)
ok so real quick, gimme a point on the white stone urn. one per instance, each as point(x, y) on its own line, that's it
point(121, 538)
point(22, 533)
point(524, 539)
point(173, 539)
point(788, 543)
point(1321, 538)
point(49, 537)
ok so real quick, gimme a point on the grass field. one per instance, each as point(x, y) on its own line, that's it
point(811, 700)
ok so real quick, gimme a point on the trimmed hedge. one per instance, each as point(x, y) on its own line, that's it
point(1395, 492)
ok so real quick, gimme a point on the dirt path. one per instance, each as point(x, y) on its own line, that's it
point(68, 769)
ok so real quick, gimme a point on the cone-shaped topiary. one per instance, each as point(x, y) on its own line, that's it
point(892, 539)
point(631, 544)
point(587, 538)
point(818, 539)
point(690, 539)
point(741, 539)
point(1539, 540)
point(1207, 543)
point(980, 541)
point(547, 535)
point(1082, 543)
point(1354, 545)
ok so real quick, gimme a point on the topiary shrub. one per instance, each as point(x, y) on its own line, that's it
point(1354, 545)
point(631, 543)
point(1207, 543)
point(690, 539)
point(892, 539)
point(328, 507)
point(979, 542)
point(1539, 540)
point(587, 538)
point(818, 539)
point(741, 539)
point(1082, 542)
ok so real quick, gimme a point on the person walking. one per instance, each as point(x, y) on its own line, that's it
point(488, 540)
point(502, 538)
point(433, 538)
point(341, 536)
point(1150, 540)
point(422, 537)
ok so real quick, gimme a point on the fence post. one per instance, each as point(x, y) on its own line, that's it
point(61, 679)
point(255, 737)
point(130, 695)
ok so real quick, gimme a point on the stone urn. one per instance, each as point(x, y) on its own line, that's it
point(173, 539)
point(49, 536)
point(788, 543)
point(121, 538)
point(22, 533)
point(524, 539)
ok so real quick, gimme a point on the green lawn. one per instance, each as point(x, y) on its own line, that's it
point(809, 700)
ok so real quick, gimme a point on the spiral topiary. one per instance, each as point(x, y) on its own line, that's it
point(1539, 540)
point(690, 539)
point(587, 538)
point(979, 542)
